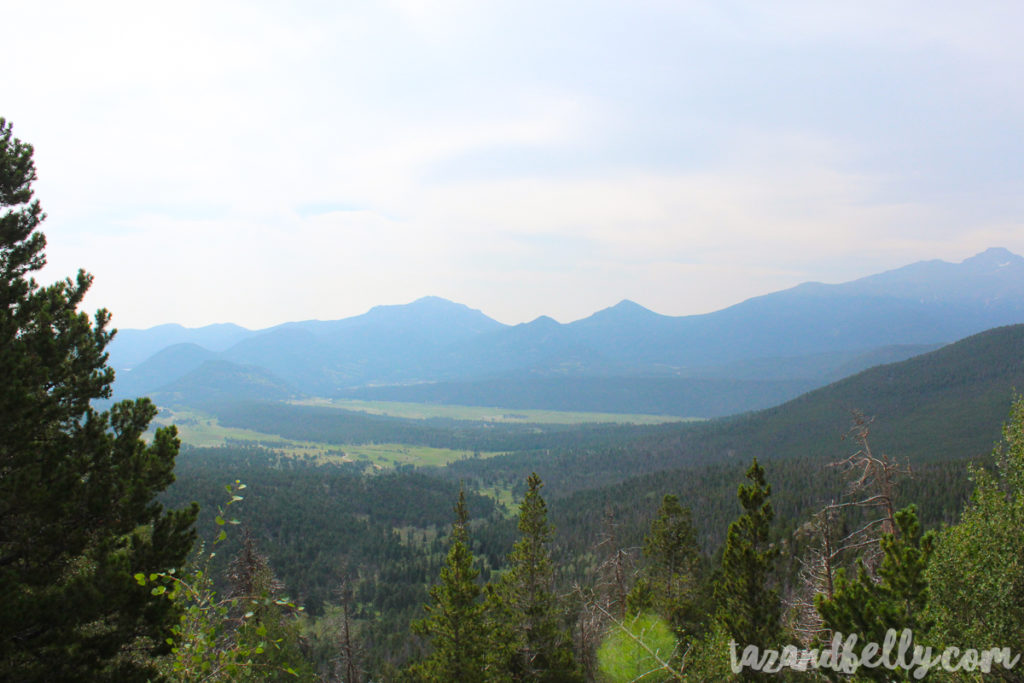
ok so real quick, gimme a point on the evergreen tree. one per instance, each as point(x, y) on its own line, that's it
point(77, 513)
point(529, 640)
point(747, 606)
point(670, 584)
point(896, 601)
point(455, 621)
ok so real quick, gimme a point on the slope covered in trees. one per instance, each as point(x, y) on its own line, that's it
point(681, 396)
point(387, 533)
point(943, 405)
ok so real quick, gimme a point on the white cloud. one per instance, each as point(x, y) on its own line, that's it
point(256, 163)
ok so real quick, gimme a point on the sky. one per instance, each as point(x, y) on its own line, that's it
point(262, 162)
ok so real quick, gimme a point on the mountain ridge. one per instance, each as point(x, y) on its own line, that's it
point(815, 329)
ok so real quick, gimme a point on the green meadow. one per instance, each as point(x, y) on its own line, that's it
point(201, 430)
point(423, 411)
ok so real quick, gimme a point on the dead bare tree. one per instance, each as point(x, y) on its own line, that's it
point(347, 665)
point(249, 572)
point(606, 600)
point(816, 575)
point(869, 501)
point(590, 629)
point(615, 569)
point(871, 479)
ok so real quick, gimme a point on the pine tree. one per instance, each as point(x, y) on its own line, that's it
point(455, 619)
point(529, 640)
point(670, 584)
point(747, 606)
point(77, 513)
point(897, 600)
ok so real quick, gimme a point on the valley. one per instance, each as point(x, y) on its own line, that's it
point(200, 430)
point(425, 411)
point(455, 342)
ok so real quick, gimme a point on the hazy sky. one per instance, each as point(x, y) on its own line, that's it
point(261, 162)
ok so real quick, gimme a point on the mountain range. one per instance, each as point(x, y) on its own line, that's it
point(625, 358)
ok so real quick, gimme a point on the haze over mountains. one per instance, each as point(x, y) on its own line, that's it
point(625, 358)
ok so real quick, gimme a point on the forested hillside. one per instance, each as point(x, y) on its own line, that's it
point(325, 527)
point(941, 405)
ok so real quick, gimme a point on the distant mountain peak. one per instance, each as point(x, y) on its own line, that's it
point(431, 299)
point(543, 321)
point(624, 312)
point(425, 305)
point(992, 275)
point(422, 302)
point(627, 305)
point(998, 257)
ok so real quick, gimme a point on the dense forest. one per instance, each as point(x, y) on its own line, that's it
point(386, 536)
point(570, 553)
